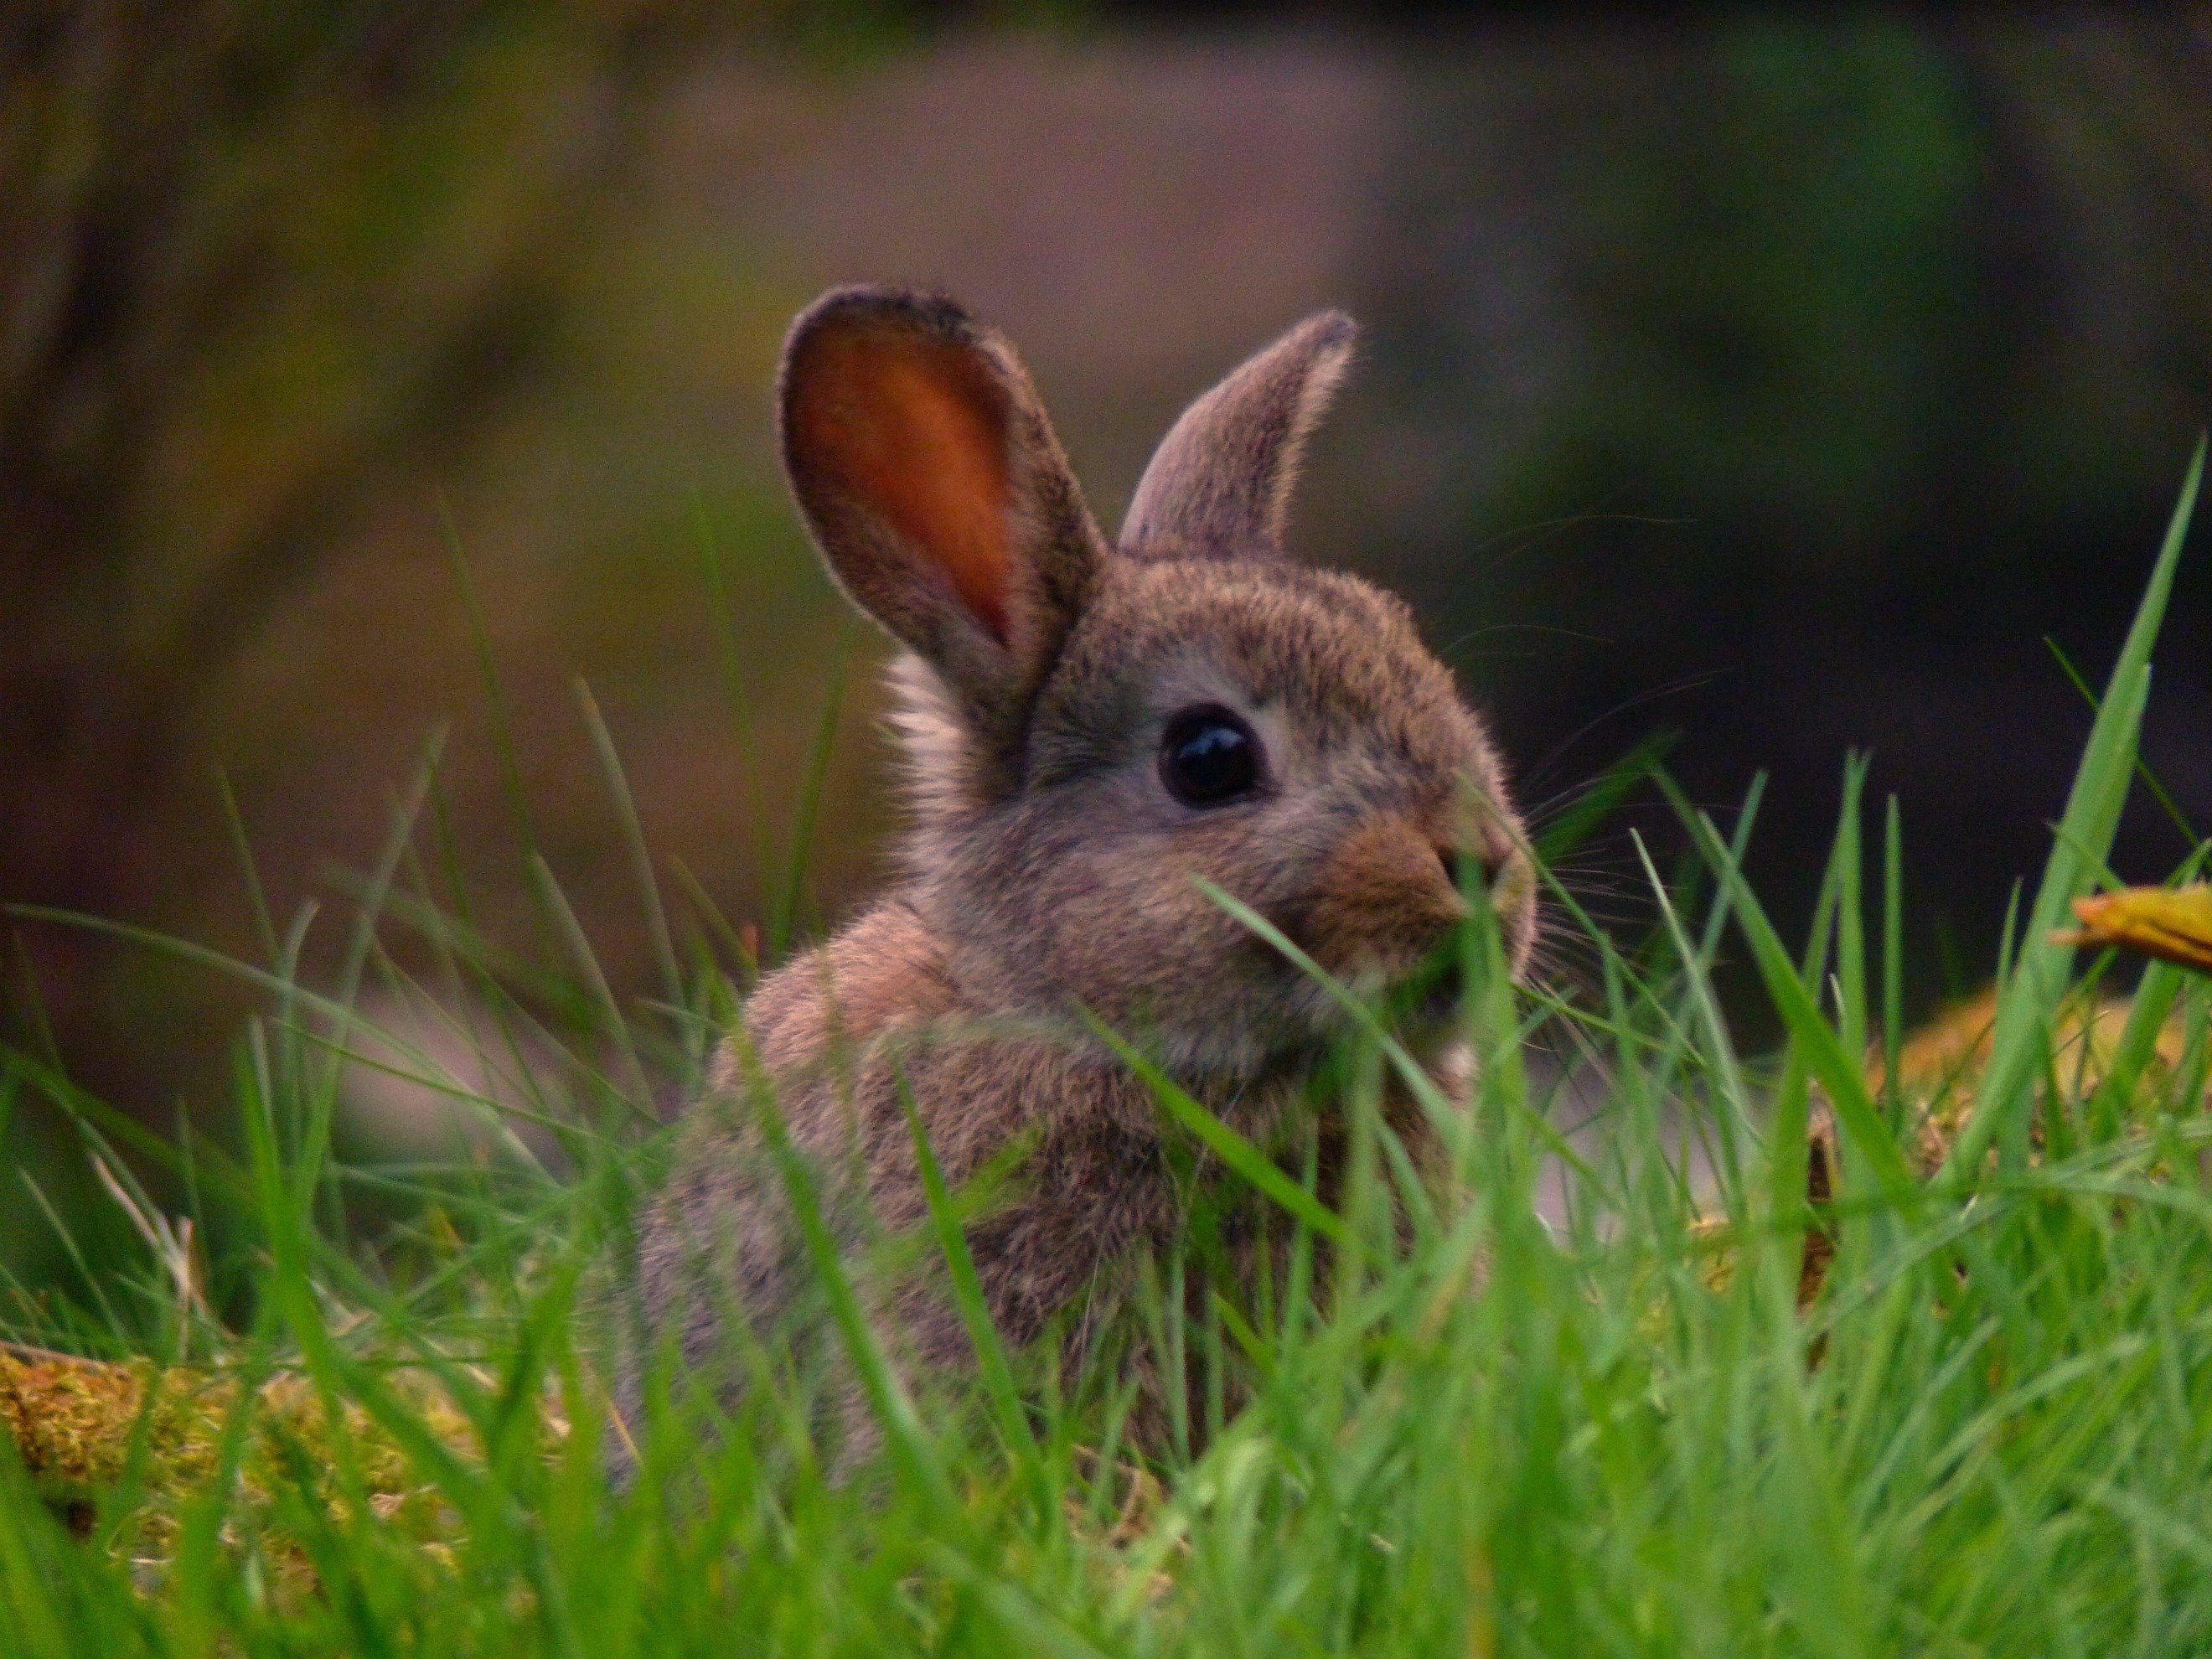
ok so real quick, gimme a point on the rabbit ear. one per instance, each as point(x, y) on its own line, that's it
point(1220, 481)
point(933, 485)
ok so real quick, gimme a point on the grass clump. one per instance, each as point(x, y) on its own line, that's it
point(1500, 1427)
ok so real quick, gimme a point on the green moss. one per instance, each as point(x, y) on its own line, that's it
point(75, 1424)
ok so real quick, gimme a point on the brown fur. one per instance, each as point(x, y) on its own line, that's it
point(1220, 482)
point(1048, 870)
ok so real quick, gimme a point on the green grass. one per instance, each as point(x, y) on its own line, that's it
point(1991, 1432)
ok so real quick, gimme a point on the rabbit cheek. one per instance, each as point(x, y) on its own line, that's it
point(1383, 904)
point(1514, 894)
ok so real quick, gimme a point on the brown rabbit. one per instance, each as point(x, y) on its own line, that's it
point(1089, 728)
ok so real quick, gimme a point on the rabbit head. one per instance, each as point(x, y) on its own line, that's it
point(1093, 728)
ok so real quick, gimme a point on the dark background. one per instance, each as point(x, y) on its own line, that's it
point(1782, 379)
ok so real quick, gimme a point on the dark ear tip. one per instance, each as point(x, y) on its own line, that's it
point(882, 304)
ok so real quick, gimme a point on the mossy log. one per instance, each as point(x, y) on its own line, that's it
point(119, 1450)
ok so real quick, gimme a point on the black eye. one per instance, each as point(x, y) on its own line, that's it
point(1208, 757)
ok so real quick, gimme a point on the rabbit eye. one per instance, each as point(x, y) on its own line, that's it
point(1209, 757)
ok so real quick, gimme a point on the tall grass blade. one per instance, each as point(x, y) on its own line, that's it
point(640, 859)
point(733, 681)
point(2149, 779)
point(2029, 1001)
point(809, 806)
point(1249, 1162)
point(1839, 1073)
point(974, 1313)
point(502, 724)
point(1893, 959)
point(1598, 799)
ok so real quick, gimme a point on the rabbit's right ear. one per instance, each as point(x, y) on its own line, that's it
point(937, 492)
point(1219, 484)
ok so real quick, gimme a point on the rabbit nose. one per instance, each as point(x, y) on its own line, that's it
point(1488, 860)
point(1448, 855)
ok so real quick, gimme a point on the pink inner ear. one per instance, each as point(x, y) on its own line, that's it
point(915, 428)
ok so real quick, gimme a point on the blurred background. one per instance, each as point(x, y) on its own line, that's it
point(1781, 378)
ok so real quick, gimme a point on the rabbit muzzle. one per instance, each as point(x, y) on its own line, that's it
point(1389, 903)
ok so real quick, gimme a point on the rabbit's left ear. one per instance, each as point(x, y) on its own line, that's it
point(1219, 484)
point(940, 497)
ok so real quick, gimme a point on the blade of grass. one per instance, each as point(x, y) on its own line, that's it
point(1837, 1071)
point(1598, 800)
point(2027, 1003)
point(1728, 1073)
point(502, 727)
point(1233, 1150)
point(785, 917)
point(1699, 965)
point(649, 889)
point(613, 1026)
point(1892, 960)
point(1850, 920)
point(974, 1313)
point(733, 679)
point(1423, 1087)
point(257, 897)
point(2149, 779)
point(887, 1397)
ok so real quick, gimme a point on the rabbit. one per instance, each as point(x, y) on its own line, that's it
point(1088, 728)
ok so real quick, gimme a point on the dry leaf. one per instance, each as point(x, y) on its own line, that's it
point(2173, 924)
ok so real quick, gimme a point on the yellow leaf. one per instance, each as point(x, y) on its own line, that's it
point(2172, 923)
